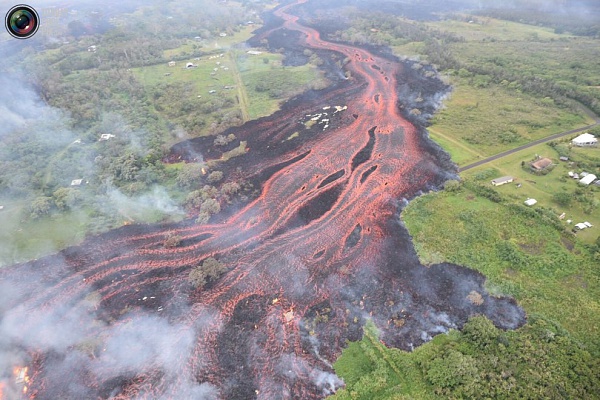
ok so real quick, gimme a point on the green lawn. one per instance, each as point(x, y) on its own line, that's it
point(483, 121)
point(485, 28)
point(26, 240)
point(543, 187)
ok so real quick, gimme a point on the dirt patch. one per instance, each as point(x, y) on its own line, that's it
point(575, 282)
point(533, 249)
point(569, 245)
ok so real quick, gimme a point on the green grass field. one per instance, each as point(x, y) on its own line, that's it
point(479, 122)
point(485, 28)
point(26, 240)
point(553, 277)
point(543, 187)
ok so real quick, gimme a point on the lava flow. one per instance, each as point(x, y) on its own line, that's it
point(318, 253)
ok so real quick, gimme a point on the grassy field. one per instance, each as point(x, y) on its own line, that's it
point(491, 29)
point(253, 85)
point(479, 122)
point(523, 254)
point(543, 187)
point(26, 240)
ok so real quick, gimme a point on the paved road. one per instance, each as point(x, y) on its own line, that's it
point(525, 146)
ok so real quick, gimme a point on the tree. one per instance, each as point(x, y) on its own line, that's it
point(562, 198)
point(189, 176)
point(215, 176)
point(451, 185)
point(211, 206)
point(172, 241)
point(210, 270)
point(220, 140)
point(65, 198)
point(40, 206)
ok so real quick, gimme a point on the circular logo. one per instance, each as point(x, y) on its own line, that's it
point(22, 21)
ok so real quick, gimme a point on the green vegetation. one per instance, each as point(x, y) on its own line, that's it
point(483, 121)
point(524, 253)
point(540, 360)
point(578, 203)
point(125, 88)
point(208, 271)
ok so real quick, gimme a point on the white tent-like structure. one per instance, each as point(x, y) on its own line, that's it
point(586, 139)
point(586, 180)
point(530, 202)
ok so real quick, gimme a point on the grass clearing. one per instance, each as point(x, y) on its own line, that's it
point(26, 240)
point(546, 186)
point(491, 29)
point(521, 255)
point(486, 121)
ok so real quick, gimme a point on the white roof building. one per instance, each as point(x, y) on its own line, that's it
point(586, 139)
point(530, 202)
point(586, 180)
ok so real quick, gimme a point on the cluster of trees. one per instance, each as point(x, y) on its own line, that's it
point(540, 360)
point(577, 21)
point(384, 29)
point(210, 269)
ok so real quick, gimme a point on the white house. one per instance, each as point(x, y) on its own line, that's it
point(498, 181)
point(530, 202)
point(586, 139)
point(586, 180)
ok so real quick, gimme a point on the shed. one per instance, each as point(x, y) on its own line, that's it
point(586, 180)
point(580, 226)
point(502, 180)
point(190, 65)
point(541, 164)
point(563, 158)
point(106, 136)
point(586, 139)
point(530, 202)
point(172, 63)
point(76, 182)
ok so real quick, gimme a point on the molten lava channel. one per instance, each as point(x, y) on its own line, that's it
point(311, 259)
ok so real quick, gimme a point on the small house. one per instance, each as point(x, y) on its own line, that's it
point(586, 139)
point(503, 180)
point(563, 158)
point(582, 225)
point(586, 180)
point(530, 202)
point(541, 164)
point(172, 63)
point(212, 91)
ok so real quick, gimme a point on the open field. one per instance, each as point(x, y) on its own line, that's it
point(491, 29)
point(22, 241)
point(477, 122)
point(543, 187)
